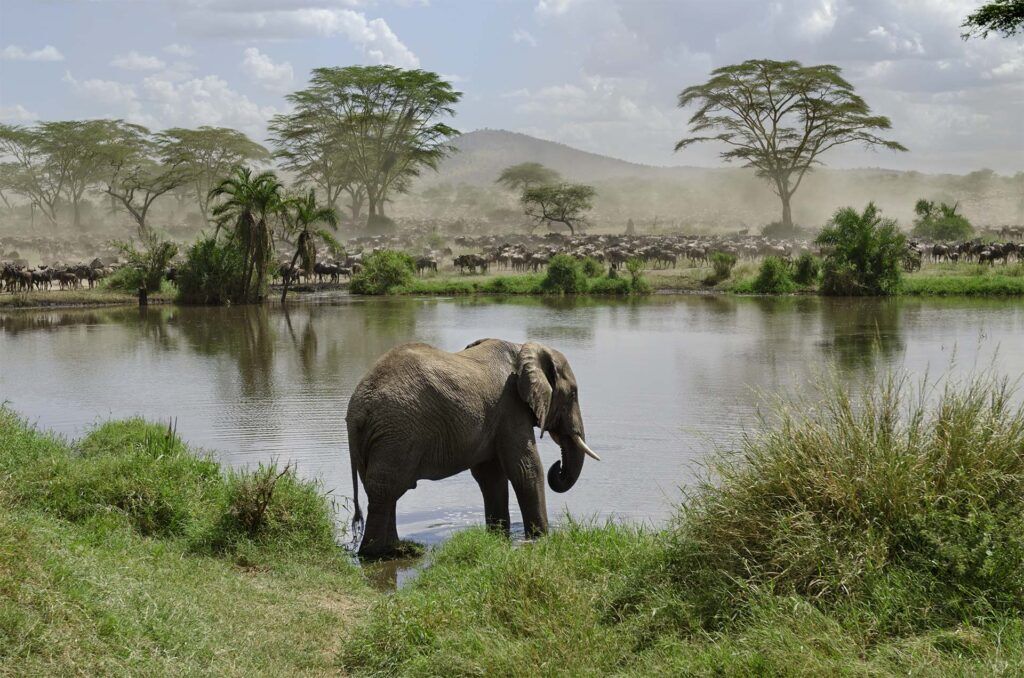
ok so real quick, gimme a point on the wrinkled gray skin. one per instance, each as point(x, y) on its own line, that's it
point(423, 413)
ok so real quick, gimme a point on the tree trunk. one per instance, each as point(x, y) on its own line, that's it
point(787, 213)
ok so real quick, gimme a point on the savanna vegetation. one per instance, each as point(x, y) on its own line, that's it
point(878, 532)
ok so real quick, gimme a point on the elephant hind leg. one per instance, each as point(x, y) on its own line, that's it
point(494, 486)
point(380, 535)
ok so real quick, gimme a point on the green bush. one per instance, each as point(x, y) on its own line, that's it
point(213, 273)
point(774, 277)
point(565, 276)
point(722, 264)
point(808, 268)
point(863, 253)
point(592, 268)
point(637, 283)
point(606, 285)
point(382, 271)
point(939, 221)
point(143, 268)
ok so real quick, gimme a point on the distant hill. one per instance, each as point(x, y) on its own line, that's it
point(484, 153)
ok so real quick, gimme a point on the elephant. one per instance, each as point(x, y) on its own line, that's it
point(423, 413)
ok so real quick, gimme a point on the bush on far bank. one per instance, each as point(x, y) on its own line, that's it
point(863, 253)
point(383, 271)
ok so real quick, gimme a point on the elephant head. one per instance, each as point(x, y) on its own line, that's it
point(547, 385)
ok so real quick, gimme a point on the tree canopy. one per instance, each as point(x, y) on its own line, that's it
point(565, 204)
point(1005, 17)
point(778, 117)
point(525, 175)
point(380, 123)
point(939, 221)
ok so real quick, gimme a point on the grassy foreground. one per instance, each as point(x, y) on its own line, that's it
point(873, 539)
point(878, 535)
point(125, 553)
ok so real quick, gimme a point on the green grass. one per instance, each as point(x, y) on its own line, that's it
point(511, 284)
point(122, 553)
point(992, 284)
point(877, 538)
point(98, 296)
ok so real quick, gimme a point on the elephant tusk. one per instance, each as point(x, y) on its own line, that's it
point(589, 452)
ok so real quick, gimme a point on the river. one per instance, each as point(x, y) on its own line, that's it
point(662, 380)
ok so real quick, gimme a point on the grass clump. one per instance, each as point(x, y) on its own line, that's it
point(807, 269)
point(873, 537)
point(722, 264)
point(592, 268)
point(383, 271)
point(985, 284)
point(105, 564)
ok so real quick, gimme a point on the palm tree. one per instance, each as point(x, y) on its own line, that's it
point(301, 214)
point(250, 201)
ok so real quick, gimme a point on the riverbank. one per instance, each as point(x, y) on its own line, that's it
point(845, 539)
point(125, 553)
point(83, 298)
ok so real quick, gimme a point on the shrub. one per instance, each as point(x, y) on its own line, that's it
point(382, 271)
point(213, 273)
point(774, 277)
point(808, 268)
point(722, 264)
point(780, 231)
point(565, 276)
point(145, 268)
point(863, 253)
point(940, 222)
point(592, 268)
point(637, 283)
point(378, 224)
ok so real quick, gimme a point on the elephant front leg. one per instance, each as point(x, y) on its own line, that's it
point(380, 534)
point(494, 486)
point(527, 477)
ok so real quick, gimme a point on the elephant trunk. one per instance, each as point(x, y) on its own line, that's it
point(563, 474)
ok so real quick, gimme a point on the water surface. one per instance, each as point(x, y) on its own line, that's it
point(662, 380)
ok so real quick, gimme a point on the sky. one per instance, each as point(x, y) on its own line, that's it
point(600, 75)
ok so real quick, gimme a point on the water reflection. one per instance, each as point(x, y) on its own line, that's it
point(661, 379)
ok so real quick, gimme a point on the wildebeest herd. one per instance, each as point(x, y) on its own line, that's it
point(526, 253)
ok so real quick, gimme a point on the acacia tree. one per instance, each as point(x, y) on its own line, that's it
point(1005, 17)
point(526, 175)
point(565, 204)
point(207, 155)
point(385, 122)
point(779, 117)
point(137, 172)
point(29, 171)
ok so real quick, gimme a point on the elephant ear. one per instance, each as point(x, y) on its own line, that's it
point(535, 373)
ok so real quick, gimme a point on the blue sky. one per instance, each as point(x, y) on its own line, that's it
point(596, 74)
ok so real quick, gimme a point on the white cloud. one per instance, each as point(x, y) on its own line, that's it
point(17, 113)
point(16, 53)
point(522, 35)
point(554, 7)
point(179, 50)
point(262, 69)
point(204, 101)
point(374, 37)
point(133, 61)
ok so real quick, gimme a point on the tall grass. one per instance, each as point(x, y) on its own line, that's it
point(873, 535)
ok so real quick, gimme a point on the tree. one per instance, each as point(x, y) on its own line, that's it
point(207, 155)
point(1005, 17)
point(311, 145)
point(939, 221)
point(249, 203)
point(779, 117)
point(137, 170)
point(558, 204)
point(383, 120)
point(301, 215)
point(863, 253)
point(29, 171)
point(526, 175)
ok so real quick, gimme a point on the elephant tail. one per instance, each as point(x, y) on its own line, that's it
point(357, 513)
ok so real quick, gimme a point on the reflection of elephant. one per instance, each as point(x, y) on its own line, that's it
point(424, 413)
